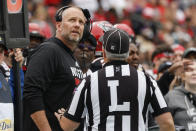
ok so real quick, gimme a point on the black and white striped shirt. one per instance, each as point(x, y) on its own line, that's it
point(116, 98)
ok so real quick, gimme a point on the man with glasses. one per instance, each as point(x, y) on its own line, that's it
point(85, 52)
point(117, 97)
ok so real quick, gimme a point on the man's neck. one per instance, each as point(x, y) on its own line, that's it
point(67, 43)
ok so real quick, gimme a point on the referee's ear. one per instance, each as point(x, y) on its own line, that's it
point(104, 56)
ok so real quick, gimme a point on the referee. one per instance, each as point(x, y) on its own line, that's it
point(117, 97)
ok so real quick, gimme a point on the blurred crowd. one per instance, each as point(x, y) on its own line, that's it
point(155, 22)
point(164, 34)
point(162, 43)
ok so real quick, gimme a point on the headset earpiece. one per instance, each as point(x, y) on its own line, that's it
point(88, 25)
point(58, 16)
point(86, 32)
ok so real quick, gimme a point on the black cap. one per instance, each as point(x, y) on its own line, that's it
point(189, 51)
point(36, 35)
point(116, 41)
point(164, 66)
point(90, 39)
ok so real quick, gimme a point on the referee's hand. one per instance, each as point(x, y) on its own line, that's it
point(60, 113)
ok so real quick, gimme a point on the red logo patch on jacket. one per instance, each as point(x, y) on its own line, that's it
point(77, 81)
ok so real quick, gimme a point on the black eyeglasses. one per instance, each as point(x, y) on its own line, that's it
point(82, 46)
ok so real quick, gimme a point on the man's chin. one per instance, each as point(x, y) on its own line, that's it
point(135, 65)
point(75, 38)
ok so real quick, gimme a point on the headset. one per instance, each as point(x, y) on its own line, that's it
point(88, 24)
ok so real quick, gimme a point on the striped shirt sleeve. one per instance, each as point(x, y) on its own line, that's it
point(157, 103)
point(76, 109)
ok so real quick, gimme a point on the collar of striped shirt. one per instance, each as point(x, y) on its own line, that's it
point(115, 62)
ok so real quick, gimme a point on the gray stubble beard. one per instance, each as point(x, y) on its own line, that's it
point(72, 42)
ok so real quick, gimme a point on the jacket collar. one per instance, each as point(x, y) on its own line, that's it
point(115, 62)
point(61, 44)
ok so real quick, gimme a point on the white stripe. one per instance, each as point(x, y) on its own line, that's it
point(120, 42)
point(159, 95)
point(87, 114)
point(147, 115)
point(85, 107)
point(89, 72)
point(94, 129)
point(97, 59)
point(102, 61)
point(126, 123)
point(125, 70)
point(87, 120)
point(85, 127)
point(150, 108)
point(141, 97)
point(76, 98)
point(110, 123)
point(95, 99)
point(109, 71)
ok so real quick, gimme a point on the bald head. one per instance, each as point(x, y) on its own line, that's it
point(72, 10)
point(70, 29)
